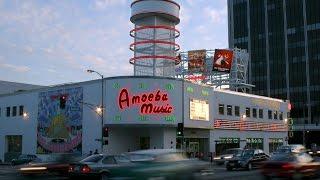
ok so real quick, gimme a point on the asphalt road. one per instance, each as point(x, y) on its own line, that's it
point(214, 172)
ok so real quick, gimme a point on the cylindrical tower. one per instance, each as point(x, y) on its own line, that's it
point(154, 36)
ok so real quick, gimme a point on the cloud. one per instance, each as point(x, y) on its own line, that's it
point(15, 68)
point(216, 15)
point(103, 4)
point(202, 29)
point(52, 70)
point(28, 49)
point(96, 60)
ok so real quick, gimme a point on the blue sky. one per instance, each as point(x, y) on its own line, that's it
point(51, 42)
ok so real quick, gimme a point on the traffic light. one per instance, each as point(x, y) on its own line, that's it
point(180, 129)
point(105, 132)
point(63, 100)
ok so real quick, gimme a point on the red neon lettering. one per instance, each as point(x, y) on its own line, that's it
point(124, 98)
point(135, 100)
point(144, 98)
point(158, 97)
point(149, 102)
point(150, 97)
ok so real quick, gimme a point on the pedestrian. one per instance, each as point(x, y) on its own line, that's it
point(96, 151)
point(90, 153)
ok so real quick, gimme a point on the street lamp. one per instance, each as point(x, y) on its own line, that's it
point(100, 110)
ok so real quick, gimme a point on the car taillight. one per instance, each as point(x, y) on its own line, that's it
point(287, 166)
point(85, 169)
point(71, 169)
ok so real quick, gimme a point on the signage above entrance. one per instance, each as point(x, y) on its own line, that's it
point(154, 102)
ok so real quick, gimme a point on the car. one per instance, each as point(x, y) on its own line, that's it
point(290, 165)
point(58, 164)
point(293, 148)
point(143, 164)
point(226, 155)
point(25, 159)
point(100, 166)
point(167, 164)
point(249, 159)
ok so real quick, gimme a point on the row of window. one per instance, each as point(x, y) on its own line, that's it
point(254, 112)
point(13, 111)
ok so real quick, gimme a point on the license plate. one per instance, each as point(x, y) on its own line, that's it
point(231, 164)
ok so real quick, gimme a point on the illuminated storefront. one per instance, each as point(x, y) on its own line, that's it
point(142, 113)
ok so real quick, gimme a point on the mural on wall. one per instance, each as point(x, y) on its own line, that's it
point(60, 121)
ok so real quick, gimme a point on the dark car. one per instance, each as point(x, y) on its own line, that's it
point(290, 165)
point(25, 159)
point(57, 165)
point(226, 155)
point(144, 164)
point(249, 159)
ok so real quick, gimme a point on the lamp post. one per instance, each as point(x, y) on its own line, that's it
point(101, 108)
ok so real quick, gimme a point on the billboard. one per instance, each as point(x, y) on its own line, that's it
point(60, 129)
point(199, 109)
point(196, 60)
point(222, 60)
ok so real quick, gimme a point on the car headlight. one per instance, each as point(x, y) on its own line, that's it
point(216, 158)
point(310, 152)
point(318, 152)
point(228, 157)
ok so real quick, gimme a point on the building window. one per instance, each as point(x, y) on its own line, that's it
point(20, 110)
point(269, 114)
point(254, 113)
point(221, 109)
point(237, 111)
point(254, 143)
point(281, 116)
point(275, 115)
point(229, 110)
point(261, 113)
point(274, 143)
point(14, 111)
point(8, 111)
point(248, 112)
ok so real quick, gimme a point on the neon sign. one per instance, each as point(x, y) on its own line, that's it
point(156, 102)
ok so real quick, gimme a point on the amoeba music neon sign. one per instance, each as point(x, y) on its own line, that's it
point(154, 102)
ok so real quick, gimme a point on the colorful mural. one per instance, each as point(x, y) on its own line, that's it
point(60, 128)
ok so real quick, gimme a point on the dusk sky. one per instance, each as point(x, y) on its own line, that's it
point(50, 42)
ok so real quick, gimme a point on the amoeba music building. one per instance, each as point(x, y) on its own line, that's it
point(141, 112)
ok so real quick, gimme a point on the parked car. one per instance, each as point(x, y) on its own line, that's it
point(58, 164)
point(144, 164)
point(290, 165)
point(226, 155)
point(24, 159)
point(293, 148)
point(249, 159)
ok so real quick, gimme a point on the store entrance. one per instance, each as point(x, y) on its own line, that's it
point(197, 147)
point(144, 142)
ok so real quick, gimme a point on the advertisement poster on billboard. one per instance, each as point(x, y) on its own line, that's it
point(196, 61)
point(222, 60)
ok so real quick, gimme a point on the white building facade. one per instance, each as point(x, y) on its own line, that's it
point(140, 113)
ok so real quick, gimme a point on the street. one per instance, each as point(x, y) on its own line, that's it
point(214, 172)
